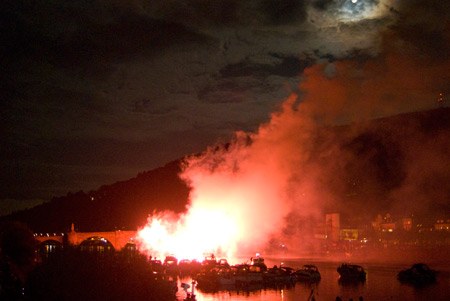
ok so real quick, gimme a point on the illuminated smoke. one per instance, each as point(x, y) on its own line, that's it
point(241, 193)
point(276, 182)
point(272, 186)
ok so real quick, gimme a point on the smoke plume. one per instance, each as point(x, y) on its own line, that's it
point(319, 152)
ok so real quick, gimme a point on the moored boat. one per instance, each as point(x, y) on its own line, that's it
point(226, 276)
point(418, 274)
point(259, 261)
point(277, 275)
point(185, 267)
point(209, 262)
point(171, 265)
point(351, 272)
point(219, 276)
point(308, 272)
point(248, 274)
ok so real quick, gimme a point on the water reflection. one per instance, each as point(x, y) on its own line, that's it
point(48, 247)
point(351, 282)
point(381, 285)
point(304, 290)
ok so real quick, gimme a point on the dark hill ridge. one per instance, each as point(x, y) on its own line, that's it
point(399, 164)
point(123, 205)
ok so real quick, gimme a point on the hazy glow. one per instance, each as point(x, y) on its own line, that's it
point(239, 197)
point(228, 215)
point(191, 236)
point(243, 194)
point(350, 11)
point(355, 10)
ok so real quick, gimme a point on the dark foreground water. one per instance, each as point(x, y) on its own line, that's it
point(381, 284)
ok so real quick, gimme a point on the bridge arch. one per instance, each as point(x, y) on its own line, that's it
point(48, 246)
point(130, 249)
point(96, 244)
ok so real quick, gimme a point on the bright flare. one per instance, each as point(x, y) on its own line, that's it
point(236, 203)
point(195, 234)
point(240, 195)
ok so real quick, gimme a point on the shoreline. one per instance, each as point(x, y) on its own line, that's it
point(433, 257)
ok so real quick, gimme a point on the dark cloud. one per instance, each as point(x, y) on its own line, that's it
point(284, 12)
point(134, 84)
point(322, 4)
point(425, 26)
point(195, 13)
point(286, 66)
point(147, 105)
point(86, 35)
point(231, 92)
point(224, 13)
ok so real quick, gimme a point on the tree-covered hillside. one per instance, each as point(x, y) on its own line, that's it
point(399, 164)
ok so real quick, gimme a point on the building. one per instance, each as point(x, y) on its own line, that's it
point(442, 225)
point(333, 226)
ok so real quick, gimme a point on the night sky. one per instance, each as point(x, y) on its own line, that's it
point(93, 92)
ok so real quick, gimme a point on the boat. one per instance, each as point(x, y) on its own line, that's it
point(209, 263)
point(157, 267)
point(259, 261)
point(308, 272)
point(191, 268)
point(218, 276)
point(351, 272)
point(226, 276)
point(206, 279)
point(223, 263)
point(248, 274)
point(419, 273)
point(185, 267)
point(171, 264)
point(196, 267)
point(277, 275)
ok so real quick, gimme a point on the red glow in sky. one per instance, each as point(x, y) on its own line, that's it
point(238, 198)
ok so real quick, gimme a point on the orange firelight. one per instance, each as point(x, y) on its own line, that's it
point(196, 233)
point(240, 195)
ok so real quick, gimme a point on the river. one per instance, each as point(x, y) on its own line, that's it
point(381, 284)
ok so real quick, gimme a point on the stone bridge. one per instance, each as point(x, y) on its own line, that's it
point(118, 238)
